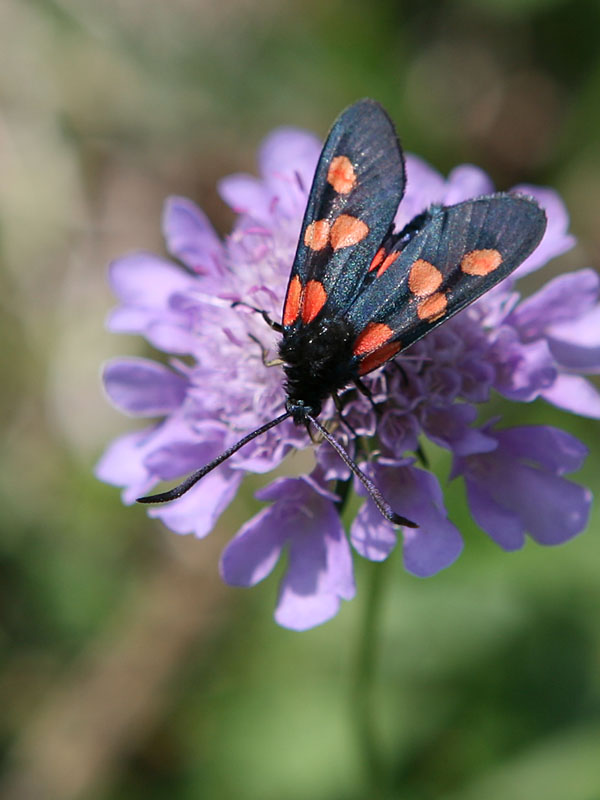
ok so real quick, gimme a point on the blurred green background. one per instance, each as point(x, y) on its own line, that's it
point(126, 669)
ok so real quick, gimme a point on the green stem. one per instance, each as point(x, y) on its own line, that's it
point(376, 771)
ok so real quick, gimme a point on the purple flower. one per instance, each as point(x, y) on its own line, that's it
point(517, 488)
point(216, 388)
point(304, 519)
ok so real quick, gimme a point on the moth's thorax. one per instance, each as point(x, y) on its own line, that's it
point(318, 361)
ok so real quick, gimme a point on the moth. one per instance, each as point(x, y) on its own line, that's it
point(359, 292)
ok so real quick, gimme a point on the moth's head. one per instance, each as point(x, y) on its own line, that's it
point(301, 410)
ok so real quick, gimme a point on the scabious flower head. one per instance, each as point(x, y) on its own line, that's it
point(216, 388)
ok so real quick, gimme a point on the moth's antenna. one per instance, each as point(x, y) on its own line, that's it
point(383, 506)
point(192, 479)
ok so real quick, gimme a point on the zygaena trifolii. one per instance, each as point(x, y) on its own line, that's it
point(359, 293)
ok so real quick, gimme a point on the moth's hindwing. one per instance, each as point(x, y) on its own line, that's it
point(355, 193)
point(458, 254)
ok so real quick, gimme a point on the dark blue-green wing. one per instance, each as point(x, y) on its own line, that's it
point(441, 263)
point(356, 190)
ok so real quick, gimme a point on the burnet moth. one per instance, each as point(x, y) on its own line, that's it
point(359, 293)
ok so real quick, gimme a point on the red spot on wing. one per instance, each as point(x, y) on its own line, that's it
point(433, 307)
point(424, 279)
point(377, 259)
point(381, 262)
point(313, 300)
point(371, 338)
point(379, 357)
point(481, 262)
point(387, 263)
point(341, 175)
point(292, 301)
point(316, 234)
point(346, 231)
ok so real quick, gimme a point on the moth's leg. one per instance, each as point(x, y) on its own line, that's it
point(268, 362)
point(270, 322)
point(401, 370)
point(364, 390)
point(340, 408)
point(311, 434)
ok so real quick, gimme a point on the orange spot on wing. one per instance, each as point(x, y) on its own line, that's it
point(424, 279)
point(379, 357)
point(316, 234)
point(377, 259)
point(371, 338)
point(387, 263)
point(346, 231)
point(481, 262)
point(313, 300)
point(433, 307)
point(292, 302)
point(341, 175)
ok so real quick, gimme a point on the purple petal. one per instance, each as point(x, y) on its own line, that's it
point(424, 186)
point(282, 489)
point(130, 461)
point(564, 506)
point(146, 281)
point(398, 431)
point(415, 494)
point(442, 381)
point(177, 449)
point(320, 569)
point(288, 150)
point(121, 465)
point(551, 448)
point(331, 465)
point(320, 566)
point(576, 358)
point(509, 496)
point(301, 612)
point(359, 414)
point(171, 337)
point(198, 510)
point(550, 508)
point(584, 331)
point(288, 159)
point(575, 394)
point(449, 426)
point(466, 182)
point(575, 344)
point(477, 377)
point(253, 552)
point(190, 236)
point(141, 387)
point(147, 285)
point(178, 456)
point(371, 536)
point(319, 562)
point(499, 521)
point(245, 194)
point(563, 299)
point(268, 451)
point(523, 370)
point(556, 239)
point(177, 337)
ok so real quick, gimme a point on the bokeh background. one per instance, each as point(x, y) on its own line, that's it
point(126, 669)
